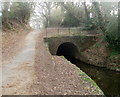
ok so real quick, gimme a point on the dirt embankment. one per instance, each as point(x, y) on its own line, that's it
point(101, 56)
point(13, 40)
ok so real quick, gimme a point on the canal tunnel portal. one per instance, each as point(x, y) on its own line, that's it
point(67, 49)
point(71, 46)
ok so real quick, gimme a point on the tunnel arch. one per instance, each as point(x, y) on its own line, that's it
point(68, 50)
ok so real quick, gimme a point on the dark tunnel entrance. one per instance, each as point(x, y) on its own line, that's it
point(68, 50)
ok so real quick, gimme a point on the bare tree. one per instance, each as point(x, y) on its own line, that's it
point(86, 12)
point(99, 15)
point(45, 11)
point(5, 11)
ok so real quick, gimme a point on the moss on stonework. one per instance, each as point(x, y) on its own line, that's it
point(62, 57)
point(83, 38)
point(87, 79)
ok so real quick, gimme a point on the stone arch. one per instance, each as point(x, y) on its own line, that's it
point(68, 49)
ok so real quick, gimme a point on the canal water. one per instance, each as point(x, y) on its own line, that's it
point(107, 80)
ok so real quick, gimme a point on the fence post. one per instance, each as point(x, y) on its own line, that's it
point(46, 32)
point(69, 30)
point(58, 30)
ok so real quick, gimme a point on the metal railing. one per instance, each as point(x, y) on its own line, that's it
point(63, 31)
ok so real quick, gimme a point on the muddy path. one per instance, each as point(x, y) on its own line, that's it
point(18, 74)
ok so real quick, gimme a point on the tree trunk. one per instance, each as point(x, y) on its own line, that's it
point(100, 17)
point(6, 7)
point(118, 19)
point(86, 12)
point(48, 5)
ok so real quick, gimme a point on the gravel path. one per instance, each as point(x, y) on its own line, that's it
point(18, 74)
point(12, 43)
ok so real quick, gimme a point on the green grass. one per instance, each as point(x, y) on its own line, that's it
point(63, 57)
point(97, 45)
point(113, 54)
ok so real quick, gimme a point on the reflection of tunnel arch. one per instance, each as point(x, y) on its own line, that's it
point(68, 49)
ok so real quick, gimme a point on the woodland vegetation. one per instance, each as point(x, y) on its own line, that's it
point(103, 16)
point(15, 11)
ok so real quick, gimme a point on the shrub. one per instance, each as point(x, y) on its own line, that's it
point(113, 35)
